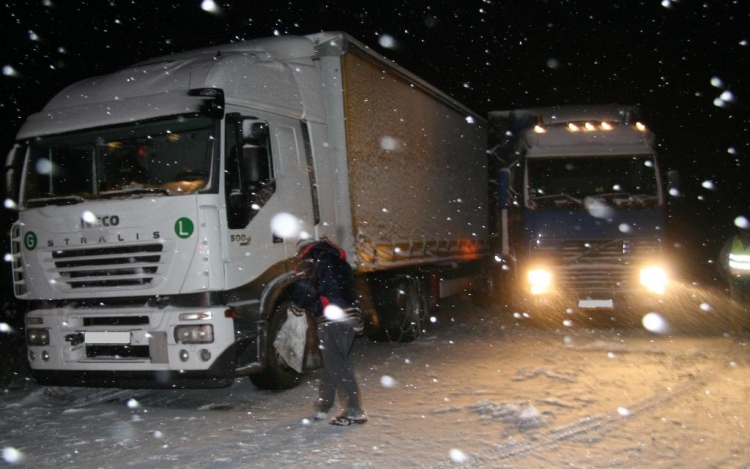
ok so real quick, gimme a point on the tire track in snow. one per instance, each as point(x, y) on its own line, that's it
point(82, 397)
point(74, 397)
point(601, 423)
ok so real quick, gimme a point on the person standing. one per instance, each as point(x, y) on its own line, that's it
point(324, 286)
point(735, 266)
point(735, 261)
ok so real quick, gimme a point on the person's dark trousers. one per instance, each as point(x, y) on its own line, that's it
point(336, 340)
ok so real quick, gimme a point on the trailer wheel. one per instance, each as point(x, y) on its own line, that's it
point(410, 315)
point(275, 374)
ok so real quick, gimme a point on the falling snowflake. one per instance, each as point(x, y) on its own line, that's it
point(210, 6)
point(386, 41)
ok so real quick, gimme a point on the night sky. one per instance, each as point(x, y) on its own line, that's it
point(684, 62)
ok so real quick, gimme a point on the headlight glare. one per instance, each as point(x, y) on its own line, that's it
point(654, 279)
point(540, 281)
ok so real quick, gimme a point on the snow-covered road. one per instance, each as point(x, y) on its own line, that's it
point(482, 390)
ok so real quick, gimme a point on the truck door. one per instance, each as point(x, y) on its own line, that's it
point(266, 186)
point(295, 182)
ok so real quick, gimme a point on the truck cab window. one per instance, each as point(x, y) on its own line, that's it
point(628, 182)
point(249, 178)
point(170, 156)
point(61, 172)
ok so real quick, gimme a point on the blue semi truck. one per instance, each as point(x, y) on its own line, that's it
point(581, 211)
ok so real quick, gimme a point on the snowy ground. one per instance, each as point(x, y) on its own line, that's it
point(482, 390)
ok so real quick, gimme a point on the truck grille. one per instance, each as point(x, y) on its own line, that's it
point(591, 265)
point(590, 278)
point(107, 266)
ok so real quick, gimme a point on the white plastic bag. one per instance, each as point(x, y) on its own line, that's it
point(290, 341)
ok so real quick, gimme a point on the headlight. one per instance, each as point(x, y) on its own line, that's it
point(654, 279)
point(35, 336)
point(202, 316)
point(540, 281)
point(203, 334)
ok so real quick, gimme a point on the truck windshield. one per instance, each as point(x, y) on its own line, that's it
point(165, 157)
point(627, 182)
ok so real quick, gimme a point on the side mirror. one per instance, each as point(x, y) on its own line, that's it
point(255, 163)
point(254, 131)
point(13, 175)
point(239, 210)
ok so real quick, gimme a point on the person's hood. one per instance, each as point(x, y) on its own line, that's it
point(320, 247)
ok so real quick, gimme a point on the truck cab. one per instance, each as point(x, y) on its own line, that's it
point(581, 190)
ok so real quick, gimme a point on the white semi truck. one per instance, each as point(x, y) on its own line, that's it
point(582, 210)
point(159, 207)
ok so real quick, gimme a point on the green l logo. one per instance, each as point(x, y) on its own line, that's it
point(184, 228)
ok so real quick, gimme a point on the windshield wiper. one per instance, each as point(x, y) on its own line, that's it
point(64, 200)
point(134, 191)
point(623, 198)
point(556, 199)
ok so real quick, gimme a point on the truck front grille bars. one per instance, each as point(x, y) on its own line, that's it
point(108, 266)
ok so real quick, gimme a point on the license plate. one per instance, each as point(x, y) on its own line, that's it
point(609, 304)
point(107, 337)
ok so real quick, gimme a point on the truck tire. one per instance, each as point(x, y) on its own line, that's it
point(487, 292)
point(275, 374)
point(408, 317)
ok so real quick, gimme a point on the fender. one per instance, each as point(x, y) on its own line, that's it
point(273, 291)
point(252, 299)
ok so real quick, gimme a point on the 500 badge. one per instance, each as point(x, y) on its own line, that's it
point(241, 239)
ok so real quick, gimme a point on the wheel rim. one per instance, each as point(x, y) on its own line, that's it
point(412, 312)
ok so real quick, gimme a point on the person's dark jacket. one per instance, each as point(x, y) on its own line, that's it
point(323, 278)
